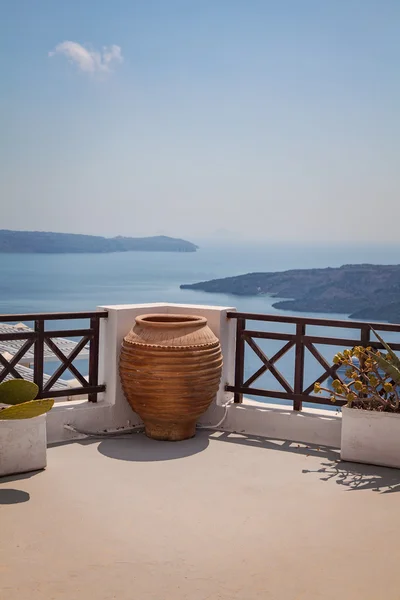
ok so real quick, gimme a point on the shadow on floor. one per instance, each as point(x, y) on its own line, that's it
point(14, 496)
point(257, 441)
point(20, 476)
point(11, 496)
point(139, 448)
point(353, 476)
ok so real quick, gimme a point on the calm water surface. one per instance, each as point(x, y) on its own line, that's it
point(68, 282)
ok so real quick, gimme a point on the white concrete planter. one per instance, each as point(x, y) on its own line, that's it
point(370, 437)
point(22, 445)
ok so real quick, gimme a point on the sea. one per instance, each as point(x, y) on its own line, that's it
point(32, 283)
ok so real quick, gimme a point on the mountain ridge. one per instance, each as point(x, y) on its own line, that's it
point(363, 291)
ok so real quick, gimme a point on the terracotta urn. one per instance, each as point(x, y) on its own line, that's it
point(170, 368)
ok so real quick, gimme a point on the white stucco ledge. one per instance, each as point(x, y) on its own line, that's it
point(80, 414)
point(311, 425)
point(121, 318)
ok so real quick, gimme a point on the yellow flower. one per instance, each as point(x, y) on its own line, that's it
point(336, 359)
point(333, 399)
point(337, 386)
point(373, 380)
point(358, 386)
point(388, 387)
point(346, 353)
point(350, 397)
point(317, 388)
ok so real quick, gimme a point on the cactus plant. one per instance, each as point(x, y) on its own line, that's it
point(20, 395)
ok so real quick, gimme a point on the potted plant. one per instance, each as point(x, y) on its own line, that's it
point(371, 417)
point(22, 427)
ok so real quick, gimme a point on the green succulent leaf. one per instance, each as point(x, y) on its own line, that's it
point(17, 391)
point(28, 410)
point(393, 356)
point(388, 368)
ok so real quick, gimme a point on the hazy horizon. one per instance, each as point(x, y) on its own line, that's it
point(362, 251)
point(262, 120)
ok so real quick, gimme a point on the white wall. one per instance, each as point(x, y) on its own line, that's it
point(312, 426)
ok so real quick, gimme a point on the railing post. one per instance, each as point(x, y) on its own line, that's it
point(94, 357)
point(38, 360)
point(239, 359)
point(299, 365)
point(365, 336)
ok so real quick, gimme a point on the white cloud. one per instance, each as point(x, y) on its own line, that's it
point(90, 61)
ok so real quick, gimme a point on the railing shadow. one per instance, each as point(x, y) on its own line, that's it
point(293, 446)
point(352, 476)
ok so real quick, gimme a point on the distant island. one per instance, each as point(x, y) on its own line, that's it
point(47, 242)
point(362, 291)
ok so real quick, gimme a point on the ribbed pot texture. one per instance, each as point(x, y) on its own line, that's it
point(170, 368)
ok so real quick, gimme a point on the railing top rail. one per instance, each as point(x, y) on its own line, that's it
point(55, 316)
point(314, 321)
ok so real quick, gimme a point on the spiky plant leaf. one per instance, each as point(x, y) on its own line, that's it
point(393, 356)
point(388, 368)
point(17, 391)
point(28, 410)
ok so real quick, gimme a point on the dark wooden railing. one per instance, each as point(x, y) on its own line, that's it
point(38, 340)
point(302, 343)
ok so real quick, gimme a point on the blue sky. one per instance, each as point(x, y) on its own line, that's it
point(269, 119)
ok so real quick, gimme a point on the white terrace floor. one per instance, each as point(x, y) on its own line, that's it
point(222, 516)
